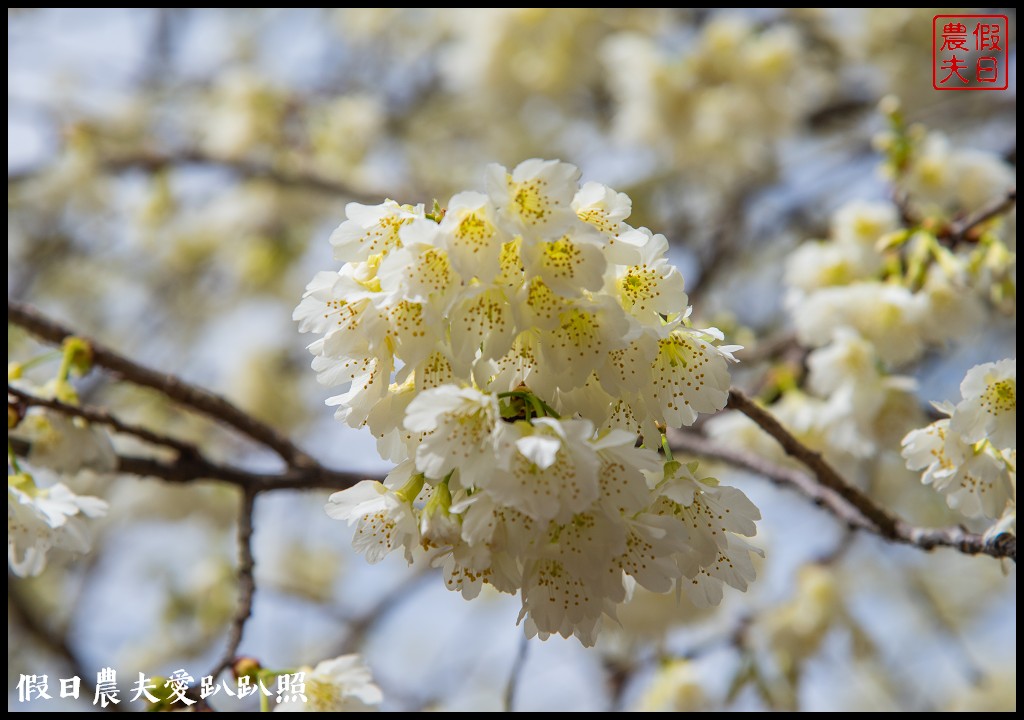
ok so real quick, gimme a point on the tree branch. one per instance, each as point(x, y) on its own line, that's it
point(196, 398)
point(845, 505)
point(515, 673)
point(188, 469)
point(100, 417)
point(822, 471)
point(246, 583)
point(153, 162)
point(959, 230)
point(780, 475)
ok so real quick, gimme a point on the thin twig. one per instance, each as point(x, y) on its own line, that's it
point(153, 162)
point(771, 348)
point(516, 672)
point(839, 504)
point(358, 627)
point(101, 417)
point(246, 583)
point(196, 398)
point(188, 469)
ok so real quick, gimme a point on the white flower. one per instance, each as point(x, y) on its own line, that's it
point(536, 196)
point(976, 483)
point(371, 229)
point(847, 373)
point(39, 519)
point(690, 377)
point(547, 469)
point(955, 311)
point(989, 405)
point(567, 585)
point(568, 264)
point(651, 287)
point(341, 684)
point(482, 327)
point(714, 517)
point(65, 444)
point(472, 237)
point(419, 272)
point(460, 426)
point(977, 476)
point(816, 265)
point(676, 687)
point(385, 517)
point(585, 333)
point(606, 210)
point(862, 223)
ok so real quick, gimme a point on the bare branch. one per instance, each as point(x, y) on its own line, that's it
point(191, 396)
point(780, 475)
point(823, 472)
point(514, 674)
point(153, 162)
point(959, 230)
point(100, 417)
point(246, 583)
point(195, 468)
point(838, 503)
point(358, 627)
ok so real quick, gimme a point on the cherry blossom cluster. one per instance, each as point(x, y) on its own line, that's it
point(971, 456)
point(518, 354)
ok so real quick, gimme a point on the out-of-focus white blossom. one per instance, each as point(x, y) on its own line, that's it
point(41, 519)
point(676, 687)
point(341, 684)
point(714, 106)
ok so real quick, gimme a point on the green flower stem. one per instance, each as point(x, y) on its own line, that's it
point(12, 459)
point(665, 447)
point(38, 360)
point(411, 489)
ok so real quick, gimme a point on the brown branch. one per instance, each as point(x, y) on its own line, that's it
point(187, 469)
point(822, 471)
point(515, 673)
point(958, 230)
point(771, 348)
point(246, 583)
point(196, 398)
point(844, 502)
point(358, 627)
point(100, 417)
point(785, 477)
point(154, 162)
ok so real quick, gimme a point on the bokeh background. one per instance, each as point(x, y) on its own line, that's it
point(173, 176)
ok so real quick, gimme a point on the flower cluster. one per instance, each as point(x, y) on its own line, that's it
point(42, 512)
point(518, 354)
point(971, 456)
